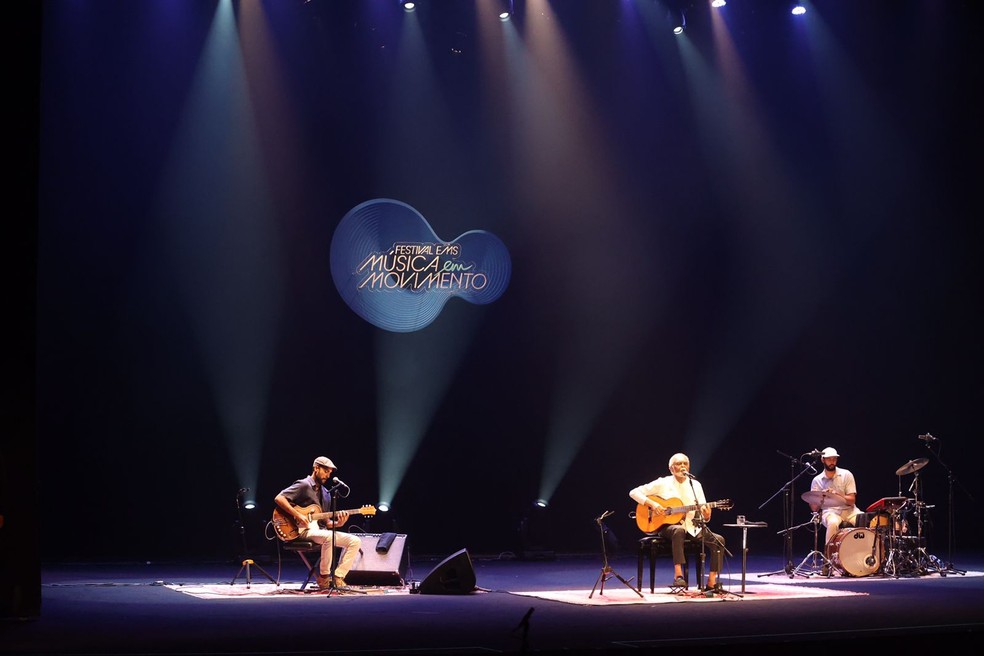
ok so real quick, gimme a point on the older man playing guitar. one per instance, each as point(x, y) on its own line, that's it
point(668, 506)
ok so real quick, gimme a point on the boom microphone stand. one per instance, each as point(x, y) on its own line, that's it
point(332, 588)
point(787, 532)
point(948, 567)
point(705, 533)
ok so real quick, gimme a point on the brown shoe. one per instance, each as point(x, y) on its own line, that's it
point(340, 582)
point(324, 581)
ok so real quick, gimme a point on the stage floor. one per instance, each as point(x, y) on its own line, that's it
point(143, 609)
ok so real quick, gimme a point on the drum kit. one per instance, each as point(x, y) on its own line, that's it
point(887, 539)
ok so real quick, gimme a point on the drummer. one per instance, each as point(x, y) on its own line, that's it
point(839, 494)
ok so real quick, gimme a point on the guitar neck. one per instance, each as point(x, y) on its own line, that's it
point(675, 510)
point(330, 515)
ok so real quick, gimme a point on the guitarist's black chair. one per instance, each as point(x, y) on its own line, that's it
point(656, 546)
point(302, 548)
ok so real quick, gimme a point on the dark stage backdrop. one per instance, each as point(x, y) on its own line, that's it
point(744, 243)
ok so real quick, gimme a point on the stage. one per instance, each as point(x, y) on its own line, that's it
point(499, 268)
point(535, 606)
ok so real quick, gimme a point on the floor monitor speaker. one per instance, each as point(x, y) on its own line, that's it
point(454, 575)
point(382, 560)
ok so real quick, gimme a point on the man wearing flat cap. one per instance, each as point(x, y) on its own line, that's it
point(838, 484)
point(297, 500)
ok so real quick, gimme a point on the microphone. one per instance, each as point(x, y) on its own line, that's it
point(816, 453)
point(339, 481)
point(927, 438)
point(689, 475)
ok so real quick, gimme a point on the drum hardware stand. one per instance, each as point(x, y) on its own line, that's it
point(606, 570)
point(816, 553)
point(887, 534)
point(892, 559)
point(925, 563)
point(787, 492)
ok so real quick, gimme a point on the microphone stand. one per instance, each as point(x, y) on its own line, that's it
point(948, 567)
point(334, 558)
point(787, 532)
point(698, 520)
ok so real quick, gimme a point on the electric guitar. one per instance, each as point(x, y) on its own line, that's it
point(648, 521)
point(286, 528)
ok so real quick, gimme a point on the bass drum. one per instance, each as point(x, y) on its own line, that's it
point(856, 551)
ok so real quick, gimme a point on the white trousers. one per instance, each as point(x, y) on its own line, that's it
point(832, 519)
point(348, 543)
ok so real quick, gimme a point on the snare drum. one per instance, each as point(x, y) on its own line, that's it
point(856, 551)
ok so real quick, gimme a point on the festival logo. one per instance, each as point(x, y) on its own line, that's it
point(394, 272)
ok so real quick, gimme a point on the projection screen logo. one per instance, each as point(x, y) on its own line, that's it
point(394, 272)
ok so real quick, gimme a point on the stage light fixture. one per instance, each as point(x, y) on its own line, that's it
point(679, 28)
point(408, 6)
point(798, 9)
point(535, 533)
point(247, 503)
point(718, 3)
point(507, 10)
point(383, 506)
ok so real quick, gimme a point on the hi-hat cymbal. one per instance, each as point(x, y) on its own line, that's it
point(821, 498)
point(912, 466)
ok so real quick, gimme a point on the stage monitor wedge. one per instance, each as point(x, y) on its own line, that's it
point(377, 565)
point(454, 575)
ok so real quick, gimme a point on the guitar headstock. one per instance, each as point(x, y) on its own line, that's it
point(367, 510)
point(725, 504)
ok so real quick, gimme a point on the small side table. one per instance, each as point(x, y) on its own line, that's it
point(744, 545)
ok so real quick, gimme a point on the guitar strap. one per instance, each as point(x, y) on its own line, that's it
point(684, 492)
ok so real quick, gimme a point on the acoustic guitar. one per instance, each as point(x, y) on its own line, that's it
point(286, 528)
point(649, 522)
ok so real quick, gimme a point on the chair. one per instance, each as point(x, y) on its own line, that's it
point(302, 548)
point(656, 546)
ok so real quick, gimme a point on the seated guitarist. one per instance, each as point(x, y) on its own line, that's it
point(680, 486)
point(312, 491)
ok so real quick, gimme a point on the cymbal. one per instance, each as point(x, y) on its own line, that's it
point(821, 498)
point(912, 466)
